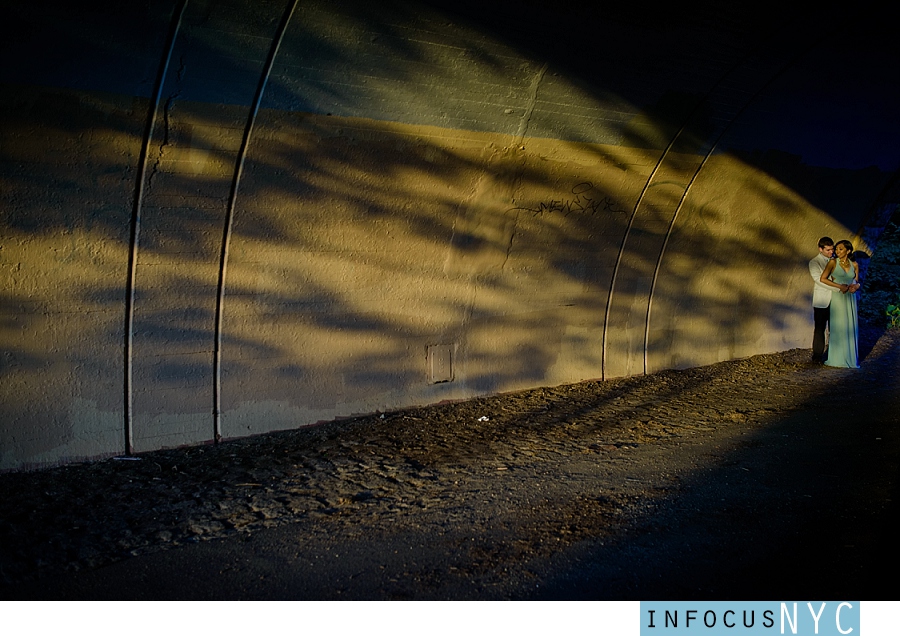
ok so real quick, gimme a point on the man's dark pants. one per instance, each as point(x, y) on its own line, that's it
point(820, 315)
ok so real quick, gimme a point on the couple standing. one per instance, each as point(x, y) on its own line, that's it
point(834, 304)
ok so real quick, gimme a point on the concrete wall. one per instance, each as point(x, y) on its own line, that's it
point(225, 218)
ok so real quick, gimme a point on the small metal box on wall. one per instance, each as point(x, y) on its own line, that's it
point(439, 361)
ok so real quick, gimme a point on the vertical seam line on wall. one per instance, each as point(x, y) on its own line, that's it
point(662, 249)
point(229, 215)
point(134, 239)
point(637, 206)
point(687, 188)
point(615, 273)
point(659, 163)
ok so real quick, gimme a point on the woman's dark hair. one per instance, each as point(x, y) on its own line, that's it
point(846, 244)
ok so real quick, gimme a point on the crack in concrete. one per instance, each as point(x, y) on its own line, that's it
point(512, 236)
point(529, 110)
point(170, 103)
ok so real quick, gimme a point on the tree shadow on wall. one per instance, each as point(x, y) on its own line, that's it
point(355, 242)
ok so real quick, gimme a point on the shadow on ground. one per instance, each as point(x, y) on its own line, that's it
point(757, 478)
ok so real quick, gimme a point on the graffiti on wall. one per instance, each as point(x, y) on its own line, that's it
point(584, 199)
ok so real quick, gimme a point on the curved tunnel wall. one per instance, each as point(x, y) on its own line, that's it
point(226, 218)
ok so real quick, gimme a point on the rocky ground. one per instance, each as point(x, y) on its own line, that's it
point(754, 477)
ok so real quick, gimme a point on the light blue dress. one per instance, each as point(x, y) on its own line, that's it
point(843, 325)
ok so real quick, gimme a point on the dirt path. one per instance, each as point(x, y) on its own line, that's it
point(759, 478)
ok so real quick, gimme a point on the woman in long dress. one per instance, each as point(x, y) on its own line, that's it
point(842, 274)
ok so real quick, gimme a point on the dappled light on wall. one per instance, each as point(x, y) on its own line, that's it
point(413, 184)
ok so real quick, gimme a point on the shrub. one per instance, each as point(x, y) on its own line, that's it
point(881, 285)
point(893, 314)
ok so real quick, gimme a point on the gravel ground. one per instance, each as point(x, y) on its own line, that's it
point(749, 478)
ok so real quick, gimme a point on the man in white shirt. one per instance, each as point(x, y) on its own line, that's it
point(821, 297)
